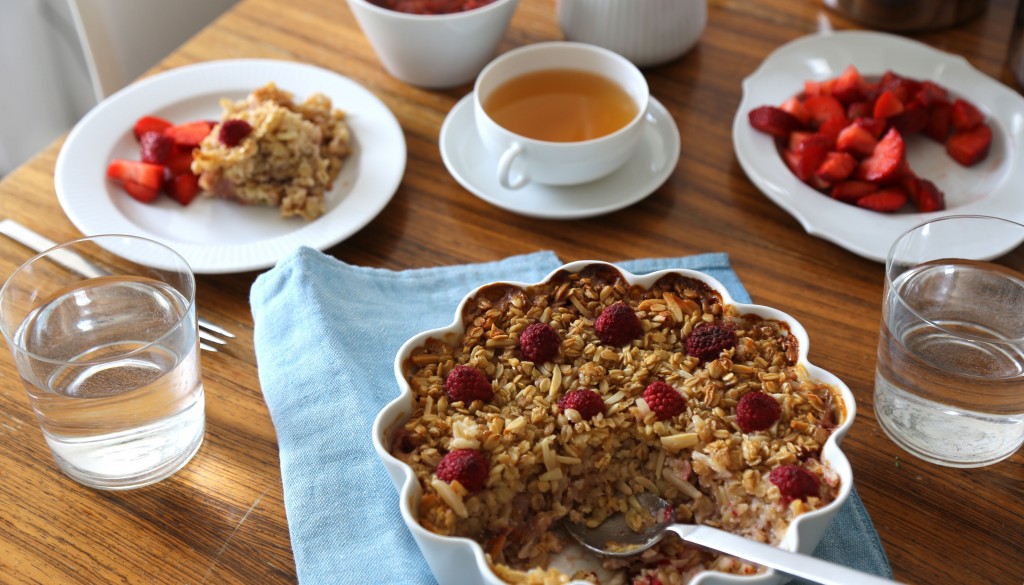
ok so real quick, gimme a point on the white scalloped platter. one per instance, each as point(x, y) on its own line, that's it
point(215, 235)
point(989, 188)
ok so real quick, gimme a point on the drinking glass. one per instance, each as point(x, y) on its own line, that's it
point(103, 333)
point(949, 384)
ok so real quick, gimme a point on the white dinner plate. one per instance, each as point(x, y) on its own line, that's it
point(993, 187)
point(476, 169)
point(214, 235)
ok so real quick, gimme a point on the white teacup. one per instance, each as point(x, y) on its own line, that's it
point(522, 159)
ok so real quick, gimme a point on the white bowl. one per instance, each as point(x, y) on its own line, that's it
point(434, 51)
point(462, 560)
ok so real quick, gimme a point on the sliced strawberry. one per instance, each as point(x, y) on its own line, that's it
point(189, 134)
point(183, 188)
point(968, 147)
point(823, 108)
point(856, 140)
point(799, 136)
point(180, 160)
point(887, 105)
point(964, 115)
point(774, 121)
point(903, 88)
point(796, 107)
point(859, 110)
point(876, 126)
point(938, 124)
point(928, 197)
point(831, 128)
point(913, 120)
point(141, 192)
point(807, 157)
point(886, 162)
point(850, 86)
point(813, 88)
point(155, 147)
point(931, 93)
point(851, 191)
point(131, 171)
point(150, 124)
point(886, 200)
point(837, 166)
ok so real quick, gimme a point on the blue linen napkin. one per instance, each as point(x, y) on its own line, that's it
point(326, 334)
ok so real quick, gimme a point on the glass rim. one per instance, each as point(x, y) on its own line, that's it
point(190, 304)
point(896, 293)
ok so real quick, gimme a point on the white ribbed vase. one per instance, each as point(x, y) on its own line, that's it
point(647, 32)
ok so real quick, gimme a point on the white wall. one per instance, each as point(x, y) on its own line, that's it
point(45, 82)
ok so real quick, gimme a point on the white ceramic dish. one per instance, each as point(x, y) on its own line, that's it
point(990, 188)
point(214, 235)
point(470, 163)
point(461, 560)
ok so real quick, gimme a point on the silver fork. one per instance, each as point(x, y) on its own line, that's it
point(39, 243)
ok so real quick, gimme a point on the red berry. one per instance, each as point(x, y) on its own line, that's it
point(233, 131)
point(795, 482)
point(618, 324)
point(707, 340)
point(154, 147)
point(539, 342)
point(586, 402)
point(467, 466)
point(757, 411)
point(663, 400)
point(466, 384)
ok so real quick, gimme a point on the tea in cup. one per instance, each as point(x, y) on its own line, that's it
point(559, 113)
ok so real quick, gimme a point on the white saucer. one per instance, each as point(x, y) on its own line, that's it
point(475, 168)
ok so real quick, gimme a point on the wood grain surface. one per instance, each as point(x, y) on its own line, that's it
point(222, 518)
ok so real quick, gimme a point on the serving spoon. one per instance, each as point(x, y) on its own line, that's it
point(614, 538)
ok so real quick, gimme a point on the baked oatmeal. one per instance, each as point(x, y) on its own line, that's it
point(269, 150)
point(665, 390)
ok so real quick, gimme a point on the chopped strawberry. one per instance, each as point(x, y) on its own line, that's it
point(807, 157)
point(823, 108)
point(931, 93)
point(796, 107)
point(850, 86)
point(774, 121)
point(813, 88)
point(885, 200)
point(923, 193)
point(180, 160)
point(150, 124)
point(913, 119)
point(183, 188)
point(836, 167)
point(796, 138)
point(903, 88)
point(876, 126)
point(887, 105)
point(145, 174)
point(851, 191)
point(856, 140)
point(831, 128)
point(968, 147)
point(937, 127)
point(189, 134)
point(155, 147)
point(886, 162)
point(141, 192)
point(859, 110)
point(964, 115)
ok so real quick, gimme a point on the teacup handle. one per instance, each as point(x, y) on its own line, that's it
point(505, 168)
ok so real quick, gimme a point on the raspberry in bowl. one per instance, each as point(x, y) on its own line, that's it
point(708, 403)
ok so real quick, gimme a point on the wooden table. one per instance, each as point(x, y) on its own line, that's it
point(222, 518)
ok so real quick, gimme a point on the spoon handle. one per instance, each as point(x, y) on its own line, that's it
point(798, 565)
